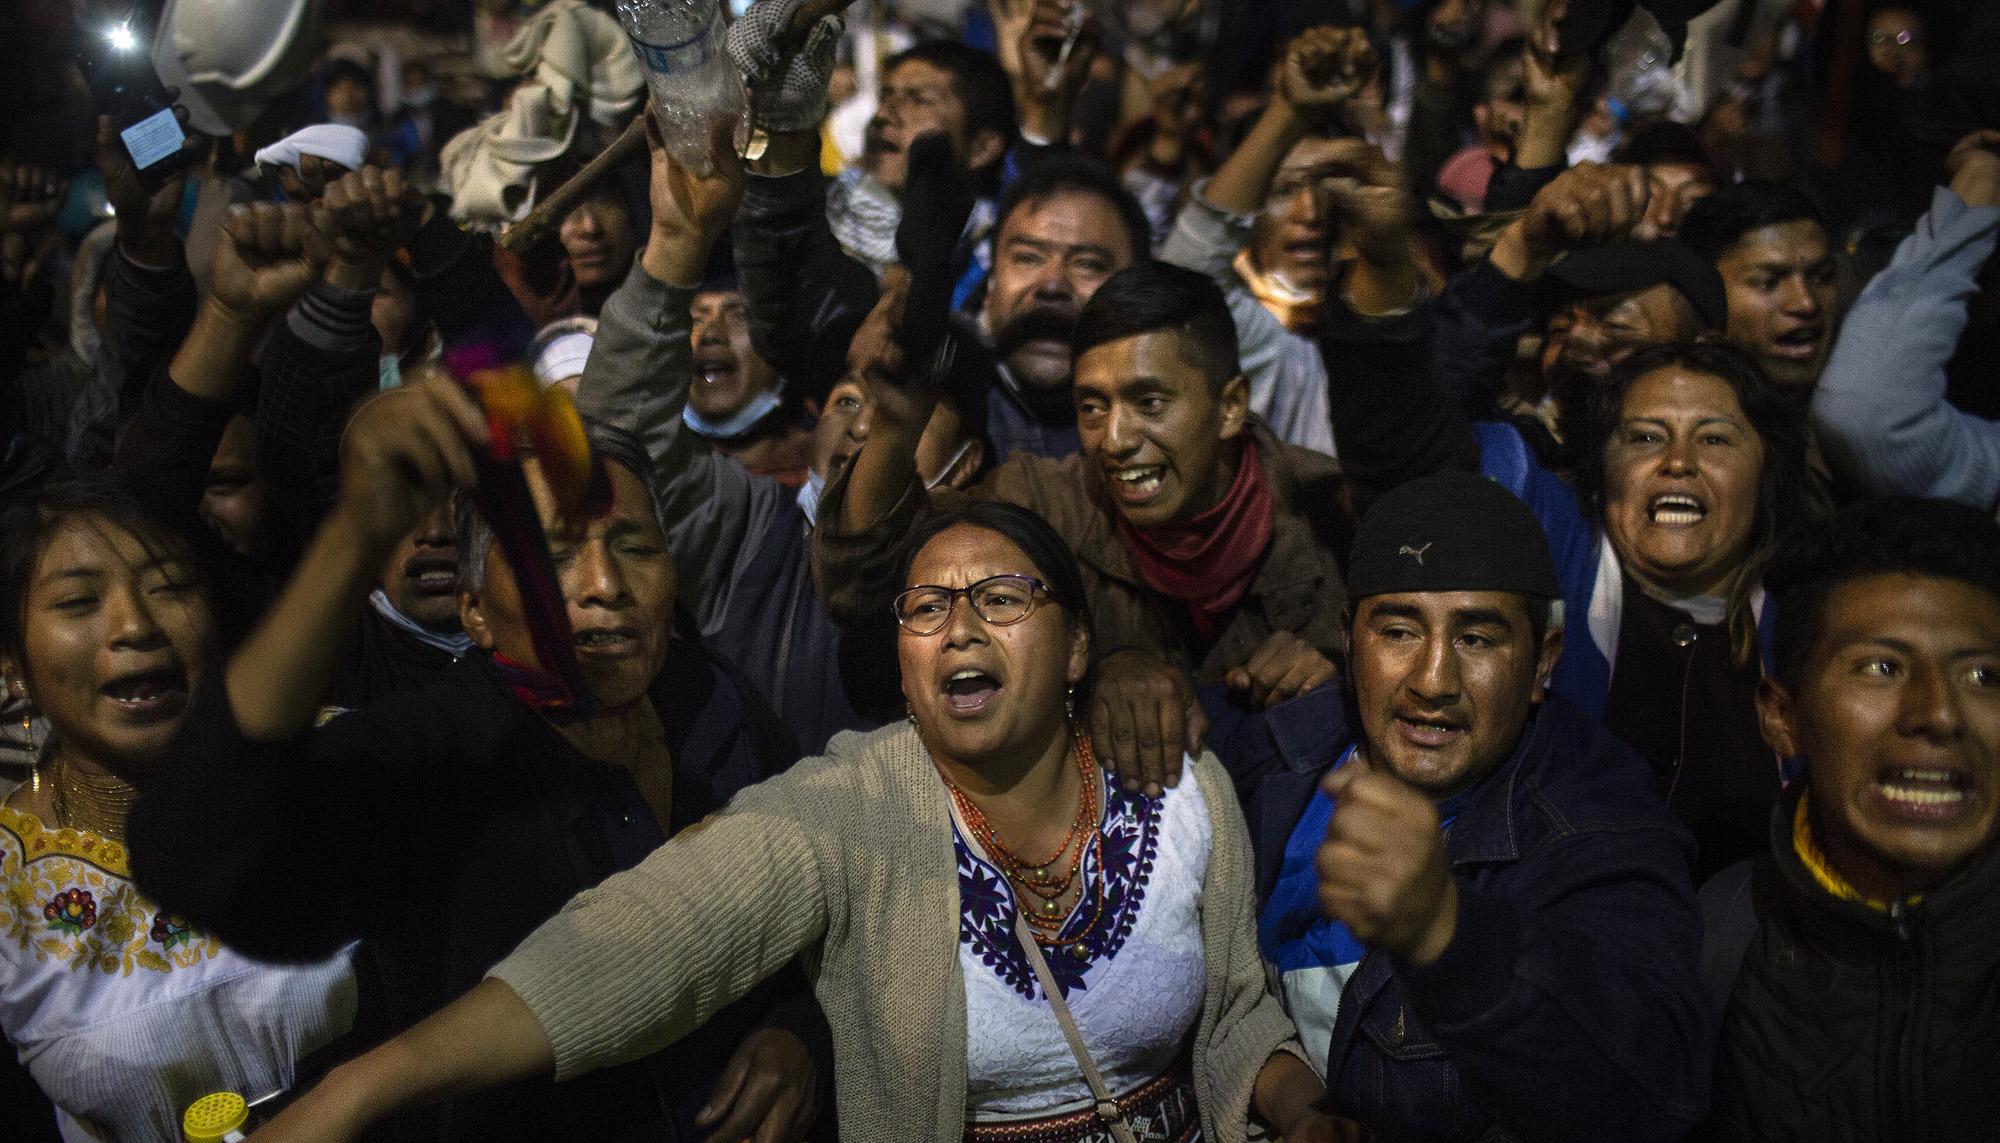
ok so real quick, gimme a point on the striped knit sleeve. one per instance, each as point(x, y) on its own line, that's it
point(648, 956)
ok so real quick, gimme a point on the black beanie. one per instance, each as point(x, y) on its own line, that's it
point(1450, 531)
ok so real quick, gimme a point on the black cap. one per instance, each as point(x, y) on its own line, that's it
point(1626, 265)
point(1450, 531)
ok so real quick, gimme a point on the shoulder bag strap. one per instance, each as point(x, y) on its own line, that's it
point(1107, 1107)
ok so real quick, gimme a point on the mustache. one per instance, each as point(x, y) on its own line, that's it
point(1570, 378)
point(1037, 323)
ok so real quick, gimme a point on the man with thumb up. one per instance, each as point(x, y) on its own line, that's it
point(1478, 907)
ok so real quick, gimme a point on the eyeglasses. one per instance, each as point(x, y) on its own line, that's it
point(1901, 38)
point(1000, 600)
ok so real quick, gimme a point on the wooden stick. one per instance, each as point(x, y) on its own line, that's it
point(559, 202)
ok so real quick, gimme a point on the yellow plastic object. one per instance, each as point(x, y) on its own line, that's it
point(211, 1118)
point(518, 406)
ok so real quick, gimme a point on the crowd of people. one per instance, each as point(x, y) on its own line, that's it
point(1395, 570)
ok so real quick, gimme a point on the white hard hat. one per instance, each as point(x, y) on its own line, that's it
point(228, 58)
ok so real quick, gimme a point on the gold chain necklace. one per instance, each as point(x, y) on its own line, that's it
point(96, 803)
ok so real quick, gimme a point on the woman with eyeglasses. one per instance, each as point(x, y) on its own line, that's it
point(940, 871)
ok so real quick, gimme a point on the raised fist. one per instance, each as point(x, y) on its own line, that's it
point(1382, 868)
point(366, 217)
point(1974, 168)
point(1323, 68)
point(1587, 204)
point(266, 255)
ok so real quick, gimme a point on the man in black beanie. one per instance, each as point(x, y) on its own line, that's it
point(1479, 909)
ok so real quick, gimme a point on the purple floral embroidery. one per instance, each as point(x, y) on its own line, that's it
point(986, 904)
point(71, 912)
point(170, 930)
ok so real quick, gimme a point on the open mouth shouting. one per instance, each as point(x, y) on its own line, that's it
point(432, 574)
point(608, 642)
point(1676, 510)
point(875, 137)
point(1800, 343)
point(1429, 731)
point(152, 695)
point(1923, 794)
point(715, 369)
point(1137, 484)
point(969, 692)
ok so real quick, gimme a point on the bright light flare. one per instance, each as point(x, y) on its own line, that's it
point(120, 37)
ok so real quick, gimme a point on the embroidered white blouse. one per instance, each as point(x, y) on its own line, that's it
point(1133, 982)
point(123, 1013)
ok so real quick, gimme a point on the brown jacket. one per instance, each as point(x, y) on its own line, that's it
point(1298, 586)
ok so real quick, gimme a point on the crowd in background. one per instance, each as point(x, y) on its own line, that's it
point(1329, 569)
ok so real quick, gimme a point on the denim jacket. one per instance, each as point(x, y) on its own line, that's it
point(1569, 1003)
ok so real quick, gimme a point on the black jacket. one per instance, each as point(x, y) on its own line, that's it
point(440, 826)
point(1848, 1024)
point(1567, 1006)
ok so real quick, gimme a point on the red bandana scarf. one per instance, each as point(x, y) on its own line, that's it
point(540, 691)
point(1208, 562)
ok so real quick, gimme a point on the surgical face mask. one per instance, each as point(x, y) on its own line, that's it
point(934, 481)
point(420, 97)
point(388, 371)
point(746, 418)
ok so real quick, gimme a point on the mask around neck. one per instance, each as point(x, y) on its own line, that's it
point(740, 424)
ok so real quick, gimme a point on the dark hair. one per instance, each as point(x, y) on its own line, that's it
point(977, 79)
point(1037, 539)
point(31, 520)
point(1786, 494)
point(1075, 174)
point(1718, 222)
point(1666, 141)
point(1149, 297)
point(608, 443)
point(339, 69)
point(1890, 535)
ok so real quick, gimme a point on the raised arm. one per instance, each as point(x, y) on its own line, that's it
point(265, 257)
point(1880, 407)
point(1554, 86)
point(805, 295)
point(899, 355)
point(403, 454)
point(325, 355)
point(1046, 48)
point(1393, 420)
point(1485, 309)
point(1320, 72)
point(149, 295)
point(641, 365)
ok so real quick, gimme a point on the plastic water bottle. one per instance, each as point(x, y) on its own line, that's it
point(681, 47)
point(219, 1117)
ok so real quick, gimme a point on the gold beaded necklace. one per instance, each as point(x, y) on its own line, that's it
point(96, 803)
point(1041, 885)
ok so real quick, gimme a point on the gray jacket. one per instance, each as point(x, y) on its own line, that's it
point(1880, 411)
point(716, 512)
point(1286, 373)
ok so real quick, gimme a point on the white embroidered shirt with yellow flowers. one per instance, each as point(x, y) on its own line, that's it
point(123, 1012)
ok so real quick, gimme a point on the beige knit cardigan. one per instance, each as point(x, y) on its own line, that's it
point(850, 855)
